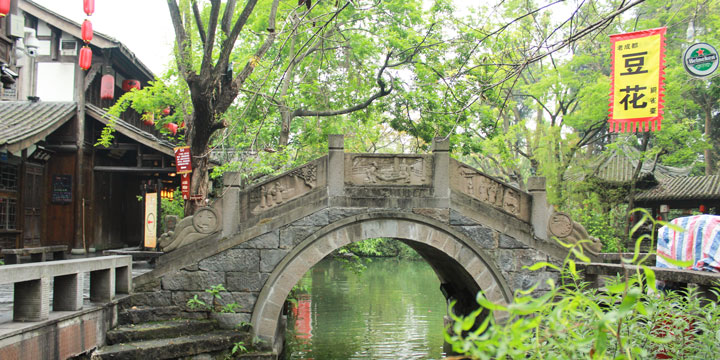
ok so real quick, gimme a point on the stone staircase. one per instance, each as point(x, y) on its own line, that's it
point(170, 333)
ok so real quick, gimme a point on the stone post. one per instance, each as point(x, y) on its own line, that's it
point(31, 300)
point(336, 165)
point(68, 292)
point(540, 213)
point(232, 183)
point(441, 167)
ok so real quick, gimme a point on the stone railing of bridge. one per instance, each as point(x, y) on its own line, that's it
point(109, 275)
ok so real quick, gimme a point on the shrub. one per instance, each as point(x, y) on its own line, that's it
point(572, 321)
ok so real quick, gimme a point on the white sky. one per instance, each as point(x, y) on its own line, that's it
point(144, 26)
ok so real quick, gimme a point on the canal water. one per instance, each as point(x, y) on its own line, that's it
point(392, 310)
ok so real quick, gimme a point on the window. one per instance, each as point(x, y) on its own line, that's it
point(8, 196)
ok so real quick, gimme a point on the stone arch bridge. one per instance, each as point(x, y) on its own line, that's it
point(475, 231)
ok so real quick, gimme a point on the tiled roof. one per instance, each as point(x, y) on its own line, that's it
point(683, 188)
point(23, 123)
point(133, 132)
point(618, 167)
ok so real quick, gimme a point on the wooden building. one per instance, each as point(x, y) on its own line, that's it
point(56, 186)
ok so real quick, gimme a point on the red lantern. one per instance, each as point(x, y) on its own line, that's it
point(149, 119)
point(89, 7)
point(4, 7)
point(166, 111)
point(87, 31)
point(172, 127)
point(130, 84)
point(702, 208)
point(85, 58)
point(107, 87)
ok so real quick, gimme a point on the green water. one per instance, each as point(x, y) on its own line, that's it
point(392, 310)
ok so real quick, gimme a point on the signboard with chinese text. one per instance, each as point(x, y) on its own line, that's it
point(183, 161)
point(185, 186)
point(150, 220)
point(636, 86)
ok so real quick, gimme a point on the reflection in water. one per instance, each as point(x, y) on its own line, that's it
point(392, 310)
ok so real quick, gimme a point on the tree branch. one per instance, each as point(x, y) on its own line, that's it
point(182, 57)
point(227, 16)
point(381, 93)
point(198, 22)
point(210, 43)
point(229, 42)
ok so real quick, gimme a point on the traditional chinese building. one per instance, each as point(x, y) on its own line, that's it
point(56, 186)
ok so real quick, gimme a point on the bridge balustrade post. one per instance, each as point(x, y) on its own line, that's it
point(232, 182)
point(68, 292)
point(336, 165)
point(540, 213)
point(441, 167)
point(31, 300)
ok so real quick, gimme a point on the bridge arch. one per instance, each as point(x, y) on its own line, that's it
point(460, 264)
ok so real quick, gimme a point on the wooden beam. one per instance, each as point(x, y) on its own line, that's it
point(131, 169)
point(90, 76)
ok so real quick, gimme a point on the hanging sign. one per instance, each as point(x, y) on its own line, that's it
point(183, 163)
point(637, 79)
point(185, 186)
point(700, 60)
point(150, 220)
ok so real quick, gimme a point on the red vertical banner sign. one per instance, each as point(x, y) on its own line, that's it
point(185, 186)
point(183, 161)
point(637, 80)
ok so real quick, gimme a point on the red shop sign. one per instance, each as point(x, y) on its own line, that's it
point(185, 186)
point(183, 161)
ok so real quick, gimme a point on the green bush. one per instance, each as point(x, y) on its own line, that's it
point(572, 321)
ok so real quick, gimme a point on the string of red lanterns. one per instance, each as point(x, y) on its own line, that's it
point(86, 32)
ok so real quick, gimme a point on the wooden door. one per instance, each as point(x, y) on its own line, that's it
point(32, 204)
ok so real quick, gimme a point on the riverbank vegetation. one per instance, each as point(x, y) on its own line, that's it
point(630, 319)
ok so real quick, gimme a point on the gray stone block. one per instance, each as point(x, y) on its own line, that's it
point(246, 300)
point(233, 260)
point(457, 218)
point(270, 258)
point(188, 281)
point(180, 299)
point(243, 281)
point(293, 235)
point(152, 298)
point(341, 213)
point(269, 240)
point(483, 236)
point(528, 257)
point(509, 242)
point(506, 260)
point(319, 218)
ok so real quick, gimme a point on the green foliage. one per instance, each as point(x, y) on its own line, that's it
point(572, 321)
point(215, 290)
point(195, 304)
point(2, 263)
point(239, 347)
point(601, 223)
point(172, 207)
point(230, 308)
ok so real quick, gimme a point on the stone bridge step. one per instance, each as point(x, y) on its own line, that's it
point(143, 314)
point(159, 330)
point(173, 348)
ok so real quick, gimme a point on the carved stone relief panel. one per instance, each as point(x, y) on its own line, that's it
point(278, 191)
point(488, 190)
point(366, 169)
